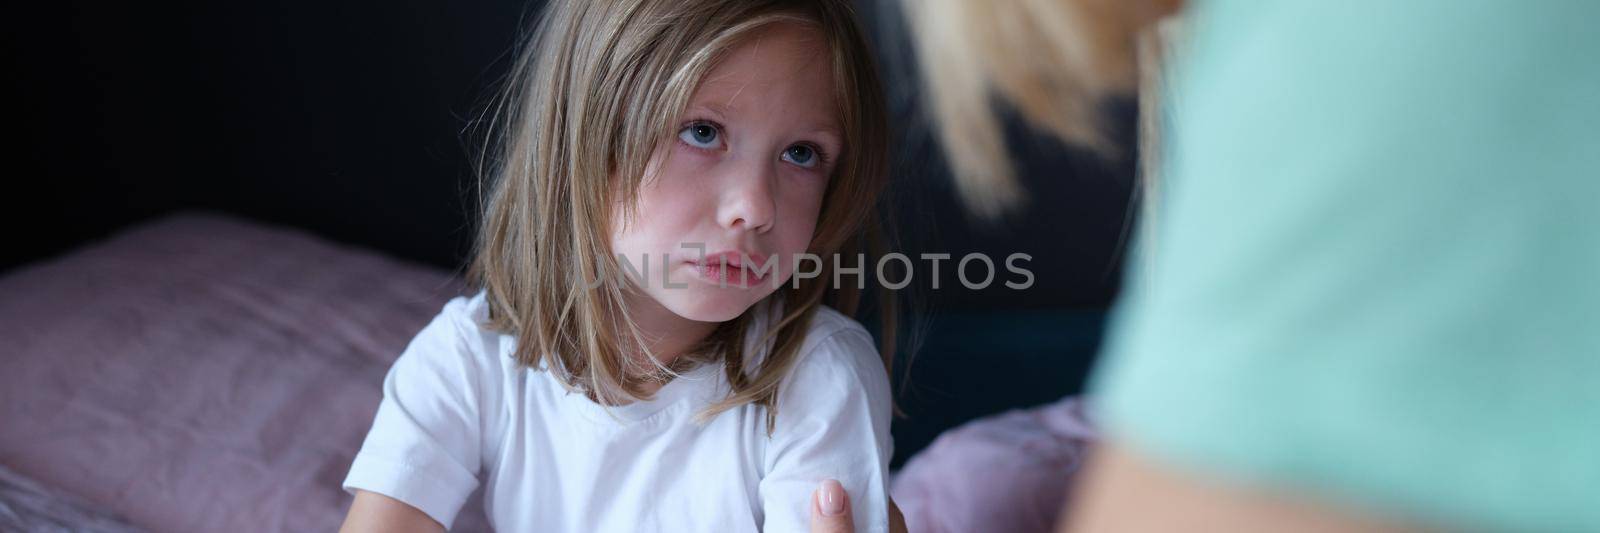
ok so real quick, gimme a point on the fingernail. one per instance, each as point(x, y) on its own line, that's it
point(832, 499)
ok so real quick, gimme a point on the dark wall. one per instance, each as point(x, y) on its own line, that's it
point(346, 118)
point(339, 117)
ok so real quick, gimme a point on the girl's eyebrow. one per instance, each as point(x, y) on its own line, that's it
point(826, 134)
point(722, 111)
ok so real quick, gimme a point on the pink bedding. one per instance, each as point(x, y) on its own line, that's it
point(27, 505)
point(203, 373)
point(1009, 472)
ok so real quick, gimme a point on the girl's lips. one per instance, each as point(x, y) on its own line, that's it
point(735, 258)
point(733, 276)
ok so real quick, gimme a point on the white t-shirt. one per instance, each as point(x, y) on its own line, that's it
point(456, 407)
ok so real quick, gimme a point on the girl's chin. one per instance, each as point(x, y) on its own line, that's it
point(710, 307)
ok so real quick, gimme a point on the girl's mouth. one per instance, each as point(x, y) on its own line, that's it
point(729, 275)
point(730, 269)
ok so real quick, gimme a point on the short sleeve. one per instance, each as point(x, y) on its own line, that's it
point(833, 422)
point(1375, 275)
point(423, 448)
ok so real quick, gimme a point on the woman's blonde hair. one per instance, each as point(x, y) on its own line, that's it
point(598, 87)
point(1052, 60)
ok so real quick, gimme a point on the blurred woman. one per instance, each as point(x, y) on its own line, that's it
point(1366, 298)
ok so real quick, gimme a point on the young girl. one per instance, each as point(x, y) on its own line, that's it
point(643, 356)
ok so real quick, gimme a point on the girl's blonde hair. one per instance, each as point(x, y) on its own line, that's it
point(1052, 60)
point(599, 86)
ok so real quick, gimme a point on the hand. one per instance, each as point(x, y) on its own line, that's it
point(830, 511)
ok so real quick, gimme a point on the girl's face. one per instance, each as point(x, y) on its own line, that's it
point(741, 185)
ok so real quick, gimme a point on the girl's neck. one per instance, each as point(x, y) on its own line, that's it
point(666, 334)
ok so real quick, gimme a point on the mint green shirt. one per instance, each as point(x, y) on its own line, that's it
point(1375, 273)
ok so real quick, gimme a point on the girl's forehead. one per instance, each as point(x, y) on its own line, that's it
point(780, 66)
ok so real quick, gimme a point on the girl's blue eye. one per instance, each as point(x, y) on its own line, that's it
point(700, 135)
point(801, 155)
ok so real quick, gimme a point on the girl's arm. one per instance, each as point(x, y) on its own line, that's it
point(376, 512)
point(833, 422)
point(424, 445)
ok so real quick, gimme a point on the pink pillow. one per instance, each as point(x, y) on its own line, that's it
point(204, 373)
point(1009, 472)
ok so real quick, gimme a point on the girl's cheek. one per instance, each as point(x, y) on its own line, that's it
point(800, 219)
point(699, 158)
point(698, 155)
point(683, 165)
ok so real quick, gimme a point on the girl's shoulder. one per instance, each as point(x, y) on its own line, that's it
point(839, 340)
point(834, 406)
point(465, 318)
point(459, 337)
point(838, 354)
point(832, 338)
point(828, 323)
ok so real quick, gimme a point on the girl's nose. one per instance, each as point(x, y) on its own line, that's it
point(748, 202)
